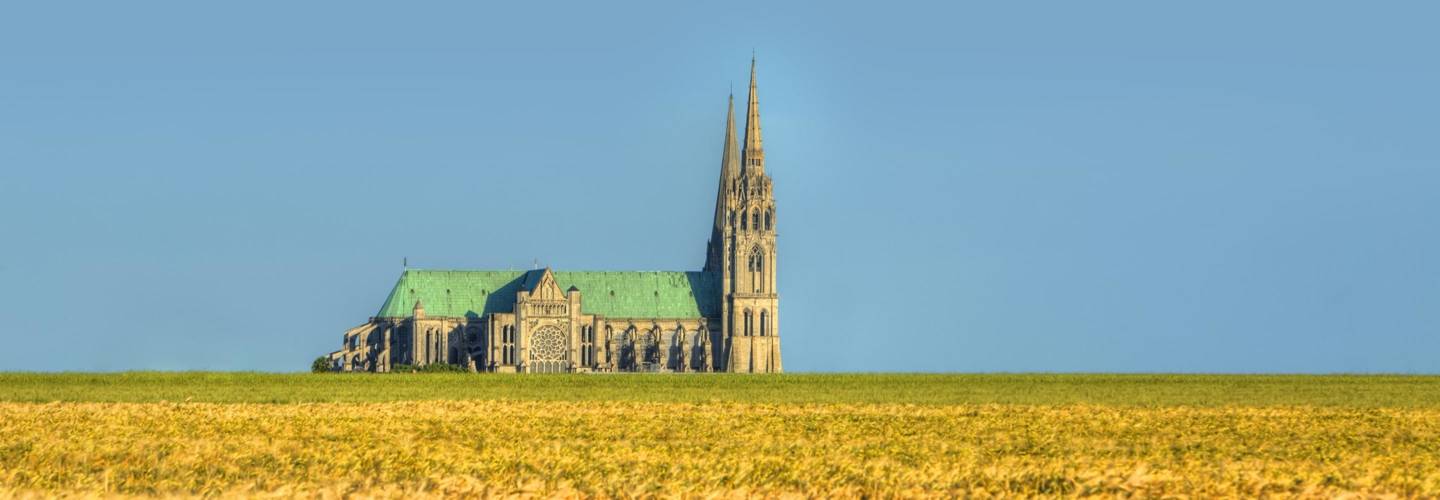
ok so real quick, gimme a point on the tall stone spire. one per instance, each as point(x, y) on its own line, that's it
point(729, 165)
point(754, 152)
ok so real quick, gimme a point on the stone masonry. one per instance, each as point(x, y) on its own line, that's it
point(724, 318)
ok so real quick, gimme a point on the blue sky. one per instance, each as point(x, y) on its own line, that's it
point(1028, 186)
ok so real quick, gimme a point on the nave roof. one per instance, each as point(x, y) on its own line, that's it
point(613, 294)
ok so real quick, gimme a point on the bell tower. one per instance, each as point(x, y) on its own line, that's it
point(742, 250)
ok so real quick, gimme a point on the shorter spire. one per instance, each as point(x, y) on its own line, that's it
point(729, 164)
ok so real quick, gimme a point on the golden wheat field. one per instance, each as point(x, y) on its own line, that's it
point(502, 447)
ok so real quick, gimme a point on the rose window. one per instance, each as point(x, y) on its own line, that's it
point(548, 344)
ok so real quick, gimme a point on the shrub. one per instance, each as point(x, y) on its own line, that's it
point(430, 368)
point(320, 365)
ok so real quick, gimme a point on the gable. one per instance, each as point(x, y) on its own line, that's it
point(541, 285)
point(613, 294)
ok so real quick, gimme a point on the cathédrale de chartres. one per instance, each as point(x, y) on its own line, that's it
point(723, 318)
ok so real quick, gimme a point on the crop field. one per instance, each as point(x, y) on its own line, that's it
point(717, 435)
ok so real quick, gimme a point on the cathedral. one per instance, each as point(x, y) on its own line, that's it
point(719, 319)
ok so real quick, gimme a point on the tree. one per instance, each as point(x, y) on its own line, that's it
point(320, 365)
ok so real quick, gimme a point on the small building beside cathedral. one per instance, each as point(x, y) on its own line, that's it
point(723, 318)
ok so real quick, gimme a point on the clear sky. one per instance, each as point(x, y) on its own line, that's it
point(1033, 186)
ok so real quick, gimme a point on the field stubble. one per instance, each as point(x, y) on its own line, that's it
point(635, 448)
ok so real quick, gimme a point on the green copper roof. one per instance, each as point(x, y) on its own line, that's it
point(637, 294)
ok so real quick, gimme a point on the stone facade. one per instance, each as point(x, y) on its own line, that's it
point(721, 319)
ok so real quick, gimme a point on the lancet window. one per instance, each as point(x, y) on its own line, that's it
point(587, 345)
point(507, 345)
point(756, 266)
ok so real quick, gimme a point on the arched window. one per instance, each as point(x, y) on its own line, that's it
point(767, 219)
point(760, 272)
point(507, 345)
point(429, 340)
point(435, 351)
point(742, 220)
point(764, 322)
point(755, 220)
point(748, 330)
point(587, 345)
point(757, 270)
